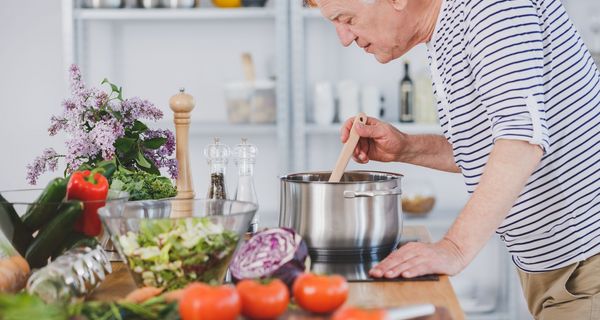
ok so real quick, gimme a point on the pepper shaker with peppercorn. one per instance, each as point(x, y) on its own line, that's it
point(217, 155)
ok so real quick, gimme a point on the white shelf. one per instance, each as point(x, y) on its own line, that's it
point(172, 14)
point(414, 128)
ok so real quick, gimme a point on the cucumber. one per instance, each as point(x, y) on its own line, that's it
point(13, 228)
point(53, 234)
point(75, 240)
point(46, 205)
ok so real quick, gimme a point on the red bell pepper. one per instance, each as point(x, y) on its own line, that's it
point(92, 188)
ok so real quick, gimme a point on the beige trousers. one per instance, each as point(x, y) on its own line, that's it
point(569, 293)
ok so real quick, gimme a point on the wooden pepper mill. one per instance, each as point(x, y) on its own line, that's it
point(182, 105)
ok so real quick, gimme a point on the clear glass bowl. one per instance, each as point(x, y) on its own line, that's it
point(170, 243)
point(418, 197)
point(25, 199)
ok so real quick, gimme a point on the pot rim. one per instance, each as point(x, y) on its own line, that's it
point(394, 176)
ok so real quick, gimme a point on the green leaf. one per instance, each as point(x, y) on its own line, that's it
point(139, 126)
point(113, 87)
point(124, 145)
point(155, 143)
point(142, 161)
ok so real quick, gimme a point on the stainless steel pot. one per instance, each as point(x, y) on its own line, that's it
point(361, 215)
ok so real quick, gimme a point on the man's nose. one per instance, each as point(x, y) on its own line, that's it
point(346, 36)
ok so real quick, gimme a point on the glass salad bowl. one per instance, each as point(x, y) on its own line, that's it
point(170, 243)
point(39, 223)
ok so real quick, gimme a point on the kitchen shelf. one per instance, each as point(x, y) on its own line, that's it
point(171, 14)
point(414, 128)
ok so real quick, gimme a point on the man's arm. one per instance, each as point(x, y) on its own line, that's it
point(510, 164)
point(380, 141)
point(431, 151)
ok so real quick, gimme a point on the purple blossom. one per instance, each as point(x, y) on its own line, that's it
point(48, 161)
point(93, 120)
point(162, 156)
point(56, 124)
point(135, 108)
point(104, 135)
point(77, 84)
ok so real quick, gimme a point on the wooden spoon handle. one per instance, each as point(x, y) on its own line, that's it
point(347, 150)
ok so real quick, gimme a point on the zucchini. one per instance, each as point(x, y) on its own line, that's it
point(53, 234)
point(75, 240)
point(13, 228)
point(46, 205)
point(109, 167)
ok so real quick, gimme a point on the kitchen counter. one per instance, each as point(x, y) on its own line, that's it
point(366, 294)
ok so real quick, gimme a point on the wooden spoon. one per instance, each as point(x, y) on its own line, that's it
point(347, 150)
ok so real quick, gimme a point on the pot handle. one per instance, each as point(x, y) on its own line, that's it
point(370, 194)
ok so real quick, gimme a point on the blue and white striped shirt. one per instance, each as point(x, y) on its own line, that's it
point(518, 69)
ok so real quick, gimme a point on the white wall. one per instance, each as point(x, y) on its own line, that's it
point(31, 83)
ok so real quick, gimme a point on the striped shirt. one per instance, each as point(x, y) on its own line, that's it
point(518, 70)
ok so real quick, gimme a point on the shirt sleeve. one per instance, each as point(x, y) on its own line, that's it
point(506, 53)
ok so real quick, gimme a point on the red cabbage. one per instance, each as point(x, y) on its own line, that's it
point(274, 253)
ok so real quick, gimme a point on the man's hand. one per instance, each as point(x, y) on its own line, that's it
point(416, 259)
point(380, 141)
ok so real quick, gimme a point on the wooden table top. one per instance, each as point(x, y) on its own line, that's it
point(366, 294)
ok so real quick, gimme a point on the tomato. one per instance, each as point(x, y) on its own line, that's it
point(353, 313)
point(263, 301)
point(203, 302)
point(320, 294)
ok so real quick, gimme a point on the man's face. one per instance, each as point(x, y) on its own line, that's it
point(381, 28)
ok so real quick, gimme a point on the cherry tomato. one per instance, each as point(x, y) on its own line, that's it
point(263, 301)
point(320, 294)
point(203, 302)
point(354, 313)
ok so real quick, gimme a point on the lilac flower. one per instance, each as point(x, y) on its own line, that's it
point(136, 108)
point(56, 124)
point(161, 156)
point(48, 161)
point(77, 84)
point(94, 120)
point(104, 135)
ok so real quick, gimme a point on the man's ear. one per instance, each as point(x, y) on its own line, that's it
point(399, 4)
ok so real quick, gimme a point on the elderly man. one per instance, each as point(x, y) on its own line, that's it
point(518, 98)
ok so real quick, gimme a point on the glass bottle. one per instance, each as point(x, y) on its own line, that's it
point(406, 97)
point(244, 155)
point(217, 155)
point(71, 276)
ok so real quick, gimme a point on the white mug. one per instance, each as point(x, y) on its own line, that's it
point(348, 96)
point(324, 104)
point(370, 101)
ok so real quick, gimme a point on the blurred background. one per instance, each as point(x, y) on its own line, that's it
point(305, 83)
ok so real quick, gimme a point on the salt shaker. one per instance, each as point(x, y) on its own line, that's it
point(244, 155)
point(217, 155)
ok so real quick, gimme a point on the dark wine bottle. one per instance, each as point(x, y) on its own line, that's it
point(407, 89)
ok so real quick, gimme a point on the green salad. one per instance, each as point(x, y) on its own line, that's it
point(172, 253)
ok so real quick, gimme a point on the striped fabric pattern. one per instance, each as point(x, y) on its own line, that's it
point(518, 70)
